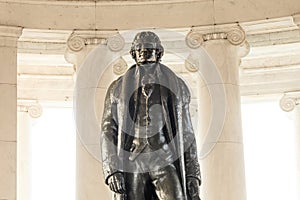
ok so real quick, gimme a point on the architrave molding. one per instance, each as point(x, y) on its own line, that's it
point(269, 25)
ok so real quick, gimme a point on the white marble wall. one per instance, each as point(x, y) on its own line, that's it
point(8, 114)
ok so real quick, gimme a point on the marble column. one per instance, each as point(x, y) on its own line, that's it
point(290, 102)
point(8, 115)
point(24, 156)
point(27, 112)
point(222, 154)
point(89, 177)
point(297, 147)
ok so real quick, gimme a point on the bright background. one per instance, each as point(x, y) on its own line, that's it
point(53, 155)
point(269, 151)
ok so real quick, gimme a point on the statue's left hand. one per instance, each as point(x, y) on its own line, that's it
point(193, 188)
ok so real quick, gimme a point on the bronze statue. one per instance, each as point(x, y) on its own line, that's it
point(148, 144)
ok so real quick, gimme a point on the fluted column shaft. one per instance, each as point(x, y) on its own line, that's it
point(222, 166)
point(8, 114)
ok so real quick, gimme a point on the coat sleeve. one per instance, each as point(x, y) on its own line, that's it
point(192, 166)
point(109, 133)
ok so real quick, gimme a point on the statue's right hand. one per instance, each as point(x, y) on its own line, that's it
point(116, 183)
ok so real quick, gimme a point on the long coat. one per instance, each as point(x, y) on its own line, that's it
point(117, 125)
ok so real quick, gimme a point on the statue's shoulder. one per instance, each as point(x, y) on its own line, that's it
point(114, 87)
point(185, 92)
point(172, 74)
point(180, 83)
point(166, 70)
point(114, 84)
point(128, 74)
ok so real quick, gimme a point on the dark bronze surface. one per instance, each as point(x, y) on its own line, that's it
point(148, 144)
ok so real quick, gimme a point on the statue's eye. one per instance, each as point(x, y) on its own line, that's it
point(138, 47)
point(150, 50)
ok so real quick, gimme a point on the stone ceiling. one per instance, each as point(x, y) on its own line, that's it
point(122, 15)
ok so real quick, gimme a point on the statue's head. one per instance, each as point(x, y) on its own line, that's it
point(146, 48)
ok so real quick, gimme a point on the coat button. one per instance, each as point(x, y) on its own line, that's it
point(165, 147)
point(162, 139)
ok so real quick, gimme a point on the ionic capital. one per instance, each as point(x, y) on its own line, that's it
point(233, 33)
point(289, 101)
point(120, 66)
point(201, 36)
point(79, 40)
point(80, 43)
point(192, 63)
point(34, 110)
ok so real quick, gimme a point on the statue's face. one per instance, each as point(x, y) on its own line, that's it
point(146, 48)
point(145, 53)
